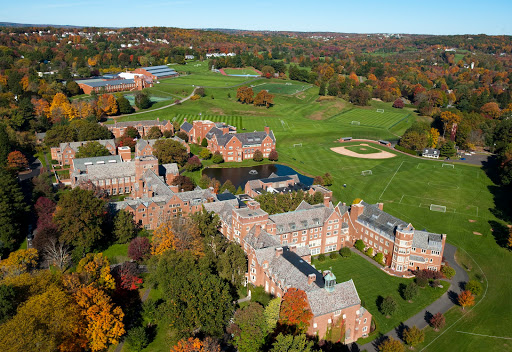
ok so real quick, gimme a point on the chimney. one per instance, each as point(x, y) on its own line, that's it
point(327, 200)
point(381, 206)
point(311, 278)
point(293, 248)
point(257, 230)
point(158, 119)
point(253, 205)
point(356, 210)
point(267, 130)
point(279, 251)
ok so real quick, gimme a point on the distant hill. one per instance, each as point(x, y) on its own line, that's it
point(12, 24)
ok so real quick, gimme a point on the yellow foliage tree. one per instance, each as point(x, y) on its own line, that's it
point(94, 270)
point(61, 108)
point(104, 320)
point(107, 105)
point(434, 137)
point(19, 262)
point(449, 118)
point(196, 345)
point(83, 108)
point(177, 234)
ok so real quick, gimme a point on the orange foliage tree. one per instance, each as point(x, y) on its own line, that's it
point(491, 110)
point(16, 160)
point(295, 311)
point(449, 118)
point(61, 108)
point(177, 234)
point(245, 95)
point(107, 105)
point(196, 345)
point(94, 270)
point(264, 98)
point(466, 299)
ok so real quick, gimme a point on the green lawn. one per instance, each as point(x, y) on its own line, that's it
point(363, 149)
point(370, 117)
point(241, 71)
point(373, 284)
point(117, 253)
point(282, 88)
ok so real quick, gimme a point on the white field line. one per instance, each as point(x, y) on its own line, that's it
point(456, 321)
point(390, 180)
point(495, 337)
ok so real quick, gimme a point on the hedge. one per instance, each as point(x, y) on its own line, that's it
point(406, 150)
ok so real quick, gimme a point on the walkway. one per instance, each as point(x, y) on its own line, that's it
point(441, 305)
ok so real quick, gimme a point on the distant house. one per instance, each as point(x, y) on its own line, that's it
point(157, 72)
point(189, 57)
point(430, 153)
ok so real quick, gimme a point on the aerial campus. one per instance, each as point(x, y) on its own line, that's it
point(170, 189)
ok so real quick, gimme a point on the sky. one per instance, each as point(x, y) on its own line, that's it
point(358, 16)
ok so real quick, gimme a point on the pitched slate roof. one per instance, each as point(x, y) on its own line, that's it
point(110, 170)
point(380, 221)
point(185, 126)
point(304, 217)
point(223, 209)
point(427, 240)
point(344, 295)
point(141, 122)
point(263, 240)
point(168, 169)
point(76, 145)
point(81, 164)
point(247, 139)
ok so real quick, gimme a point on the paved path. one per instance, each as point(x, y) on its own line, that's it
point(35, 170)
point(441, 305)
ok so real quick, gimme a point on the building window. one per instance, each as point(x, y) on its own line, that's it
point(365, 328)
point(365, 320)
point(338, 312)
point(423, 251)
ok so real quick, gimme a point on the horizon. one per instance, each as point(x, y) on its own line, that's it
point(399, 17)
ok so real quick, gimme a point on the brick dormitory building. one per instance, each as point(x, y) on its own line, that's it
point(65, 152)
point(231, 145)
point(143, 127)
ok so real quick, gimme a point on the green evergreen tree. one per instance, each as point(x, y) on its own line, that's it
point(124, 105)
point(12, 212)
point(124, 226)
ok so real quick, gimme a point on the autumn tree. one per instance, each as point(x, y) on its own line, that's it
point(154, 133)
point(19, 262)
point(437, 321)
point(193, 164)
point(79, 217)
point(249, 328)
point(184, 183)
point(196, 345)
point(180, 234)
point(491, 110)
point(273, 156)
point(271, 313)
point(359, 96)
point(139, 248)
point(466, 299)
point(61, 109)
point(295, 310)
point(413, 336)
point(292, 343)
point(107, 105)
point(17, 161)
point(264, 98)
point(391, 345)
point(449, 118)
point(258, 155)
point(267, 71)
point(399, 104)
point(170, 151)
point(124, 226)
point(433, 137)
point(245, 95)
point(91, 149)
point(94, 270)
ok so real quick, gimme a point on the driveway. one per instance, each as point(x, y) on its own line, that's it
point(441, 305)
point(35, 170)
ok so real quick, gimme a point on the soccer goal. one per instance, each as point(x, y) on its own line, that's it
point(440, 208)
point(380, 110)
point(298, 145)
point(357, 123)
point(449, 165)
point(366, 172)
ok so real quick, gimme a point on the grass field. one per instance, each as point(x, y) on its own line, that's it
point(282, 88)
point(373, 284)
point(240, 71)
point(363, 149)
point(368, 117)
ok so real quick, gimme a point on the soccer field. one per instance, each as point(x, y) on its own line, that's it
point(240, 71)
point(367, 117)
point(281, 88)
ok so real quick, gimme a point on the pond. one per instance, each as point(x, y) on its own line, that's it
point(239, 176)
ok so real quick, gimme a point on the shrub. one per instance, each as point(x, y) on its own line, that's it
point(391, 345)
point(437, 321)
point(321, 257)
point(195, 97)
point(205, 154)
point(474, 287)
point(410, 291)
point(204, 143)
point(379, 258)
point(388, 306)
point(448, 271)
point(399, 104)
point(139, 248)
point(258, 156)
point(405, 150)
point(193, 164)
point(421, 281)
point(413, 336)
point(259, 295)
point(333, 255)
point(369, 252)
point(359, 245)
point(137, 338)
point(217, 158)
point(345, 252)
point(273, 156)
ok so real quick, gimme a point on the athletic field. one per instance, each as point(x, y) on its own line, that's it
point(281, 88)
point(367, 117)
point(241, 71)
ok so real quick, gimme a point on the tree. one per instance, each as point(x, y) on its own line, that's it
point(245, 95)
point(79, 217)
point(273, 156)
point(413, 336)
point(170, 151)
point(267, 71)
point(410, 291)
point(19, 262)
point(448, 271)
point(228, 186)
point(359, 245)
point(399, 104)
point(57, 254)
point(207, 305)
point(433, 137)
point(379, 258)
point(107, 105)
point(142, 100)
point(204, 143)
point(205, 154)
point(232, 264)
point(127, 277)
point(182, 135)
point(264, 98)
point(137, 338)
point(292, 343)
point(104, 320)
point(7, 302)
point(448, 149)
point(91, 149)
point(359, 96)
point(48, 321)
point(388, 306)
point(139, 248)
point(414, 140)
point(217, 158)
point(345, 252)
point(4, 145)
point(196, 345)
point(131, 132)
point(249, 328)
point(466, 299)
point(258, 156)
point(318, 180)
point(12, 211)
point(193, 164)
point(369, 252)
point(154, 133)
point(437, 321)
point(271, 313)
point(491, 110)
point(124, 105)
point(473, 286)
point(124, 226)
point(391, 345)
point(184, 183)
point(73, 88)
point(295, 310)
point(177, 234)
point(449, 118)
point(17, 161)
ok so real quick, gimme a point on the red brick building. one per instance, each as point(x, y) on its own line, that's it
point(157, 72)
point(65, 152)
point(197, 130)
point(143, 127)
point(278, 268)
point(146, 146)
point(100, 85)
